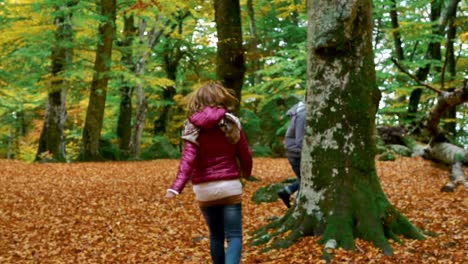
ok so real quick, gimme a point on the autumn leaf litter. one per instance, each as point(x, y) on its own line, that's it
point(115, 212)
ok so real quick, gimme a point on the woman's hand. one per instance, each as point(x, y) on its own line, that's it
point(170, 195)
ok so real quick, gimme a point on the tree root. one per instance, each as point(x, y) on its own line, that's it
point(375, 222)
point(279, 226)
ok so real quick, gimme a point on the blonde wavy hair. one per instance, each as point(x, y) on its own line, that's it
point(211, 93)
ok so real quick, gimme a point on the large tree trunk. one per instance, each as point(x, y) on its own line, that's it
point(230, 66)
point(124, 122)
point(97, 99)
point(341, 197)
point(52, 142)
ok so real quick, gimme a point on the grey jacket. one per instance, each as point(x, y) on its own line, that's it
point(295, 133)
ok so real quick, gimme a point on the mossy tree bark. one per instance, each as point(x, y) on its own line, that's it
point(51, 141)
point(341, 197)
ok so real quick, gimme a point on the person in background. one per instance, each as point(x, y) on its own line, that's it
point(293, 145)
point(214, 157)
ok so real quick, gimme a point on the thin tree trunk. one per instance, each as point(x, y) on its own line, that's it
point(230, 66)
point(450, 61)
point(140, 117)
point(10, 150)
point(399, 54)
point(254, 54)
point(171, 62)
point(433, 50)
point(140, 111)
point(19, 131)
point(172, 56)
point(97, 99)
point(52, 142)
point(149, 39)
point(124, 122)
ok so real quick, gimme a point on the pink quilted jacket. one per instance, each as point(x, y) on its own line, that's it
point(214, 158)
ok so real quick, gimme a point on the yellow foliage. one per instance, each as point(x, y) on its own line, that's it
point(464, 37)
point(27, 24)
point(73, 149)
point(28, 151)
point(179, 99)
point(155, 82)
point(29, 143)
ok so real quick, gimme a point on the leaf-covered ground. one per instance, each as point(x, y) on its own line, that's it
point(116, 213)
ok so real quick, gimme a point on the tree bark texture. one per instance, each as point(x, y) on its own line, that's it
point(399, 54)
point(140, 109)
point(230, 66)
point(340, 194)
point(172, 55)
point(97, 99)
point(433, 49)
point(51, 141)
point(124, 122)
point(445, 101)
point(456, 177)
point(450, 68)
point(139, 124)
point(253, 42)
point(149, 40)
point(453, 156)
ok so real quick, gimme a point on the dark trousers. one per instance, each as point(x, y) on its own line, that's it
point(295, 163)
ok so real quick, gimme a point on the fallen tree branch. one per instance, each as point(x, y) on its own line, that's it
point(445, 101)
point(456, 177)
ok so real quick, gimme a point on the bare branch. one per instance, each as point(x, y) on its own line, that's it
point(414, 77)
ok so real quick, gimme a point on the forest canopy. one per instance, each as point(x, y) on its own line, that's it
point(158, 51)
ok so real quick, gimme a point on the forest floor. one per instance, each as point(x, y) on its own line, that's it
point(115, 212)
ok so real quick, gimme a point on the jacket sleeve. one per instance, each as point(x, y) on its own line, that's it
point(299, 129)
point(186, 165)
point(244, 155)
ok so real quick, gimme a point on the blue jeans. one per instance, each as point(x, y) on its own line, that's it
point(224, 222)
point(295, 163)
